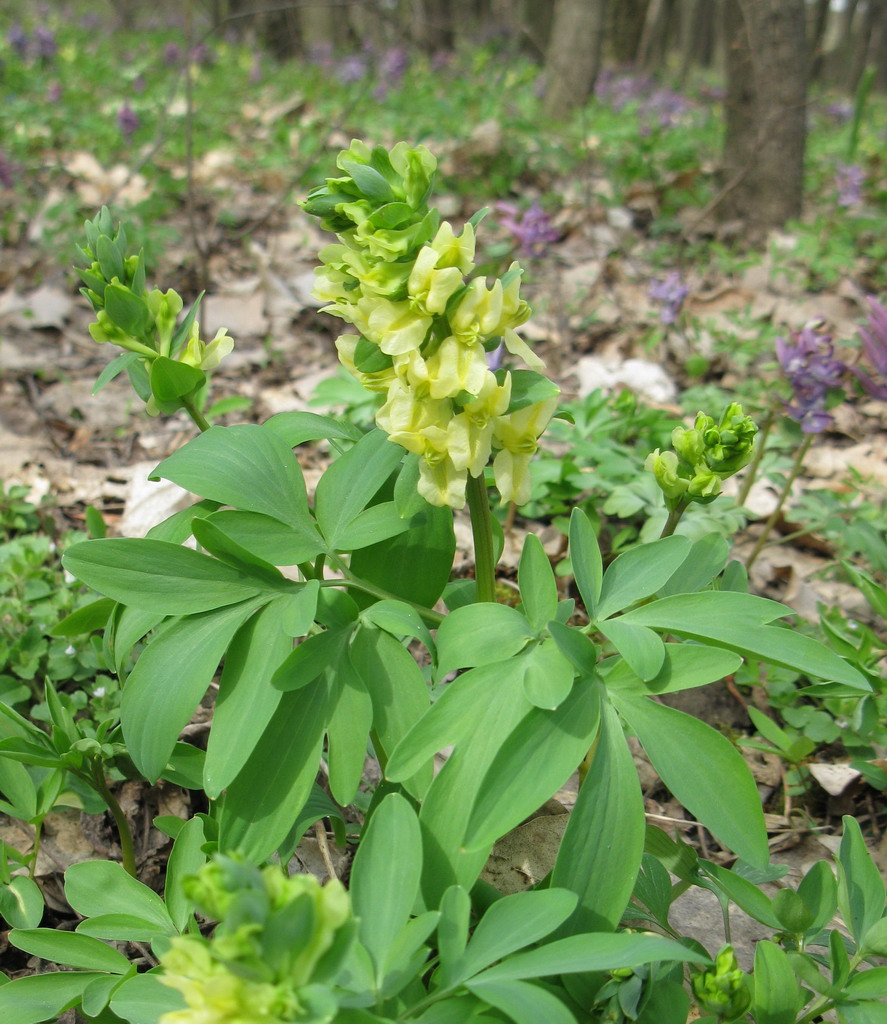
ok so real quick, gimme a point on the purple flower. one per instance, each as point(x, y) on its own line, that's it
point(665, 106)
point(532, 229)
point(393, 66)
point(127, 121)
point(138, 84)
point(44, 40)
point(849, 179)
point(671, 293)
point(172, 54)
point(202, 54)
point(18, 41)
point(840, 111)
point(874, 343)
point(351, 69)
point(811, 369)
point(53, 92)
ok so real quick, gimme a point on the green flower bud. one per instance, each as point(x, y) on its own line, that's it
point(165, 309)
point(723, 990)
point(664, 466)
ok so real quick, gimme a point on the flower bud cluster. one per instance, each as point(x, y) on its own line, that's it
point(724, 990)
point(703, 457)
point(136, 319)
point(398, 276)
point(274, 954)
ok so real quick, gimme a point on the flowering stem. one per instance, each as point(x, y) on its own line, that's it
point(127, 848)
point(774, 515)
point(482, 532)
point(428, 614)
point(752, 470)
point(674, 517)
point(190, 407)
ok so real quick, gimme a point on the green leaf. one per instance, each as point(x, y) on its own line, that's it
point(452, 933)
point(869, 984)
point(385, 877)
point(593, 952)
point(87, 619)
point(40, 997)
point(171, 380)
point(297, 427)
point(350, 483)
point(736, 621)
point(97, 887)
point(270, 539)
point(547, 674)
point(600, 853)
point(667, 735)
point(117, 366)
point(576, 646)
point(371, 184)
point(246, 466)
point(777, 998)
point(185, 859)
point(70, 948)
point(642, 649)
point(17, 786)
point(534, 761)
point(159, 576)
point(372, 526)
point(21, 902)
point(819, 891)
point(510, 924)
point(861, 891)
point(399, 619)
point(480, 634)
point(686, 665)
point(143, 999)
point(170, 678)
point(391, 563)
point(639, 572)
point(218, 544)
point(874, 941)
point(348, 729)
point(246, 700)
point(585, 557)
point(310, 658)
point(538, 587)
point(127, 311)
point(527, 388)
point(260, 805)
point(399, 694)
point(522, 1002)
point(746, 895)
point(705, 558)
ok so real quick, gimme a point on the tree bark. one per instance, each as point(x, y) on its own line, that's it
point(573, 57)
point(625, 24)
point(765, 111)
point(817, 39)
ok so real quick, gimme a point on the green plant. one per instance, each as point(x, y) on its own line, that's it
point(348, 650)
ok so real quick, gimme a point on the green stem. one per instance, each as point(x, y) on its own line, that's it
point(190, 407)
point(127, 847)
point(674, 517)
point(774, 515)
point(482, 532)
point(752, 470)
point(428, 614)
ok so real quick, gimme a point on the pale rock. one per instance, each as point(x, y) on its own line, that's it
point(149, 502)
point(640, 376)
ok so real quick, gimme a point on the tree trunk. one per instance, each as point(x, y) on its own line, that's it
point(765, 111)
point(573, 57)
point(625, 23)
point(662, 15)
point(840, 58)
point(817, 39)
point(700, 36)
point(536, 18)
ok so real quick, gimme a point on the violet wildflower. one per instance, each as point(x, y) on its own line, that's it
point(139, 84)
point(812, 371)
point(202, 54)
point(849, 179)
point(18, 41)
point(7, 171)
point(172, 54)
point(874, 343)
point(54, 92)
point(665, 106)
point(840, 111)
point(127, 121)
point(351, 69)
point(532, 229)
point(671, 293)
point(45, 43)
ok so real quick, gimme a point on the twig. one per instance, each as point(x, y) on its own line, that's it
point(324, 847)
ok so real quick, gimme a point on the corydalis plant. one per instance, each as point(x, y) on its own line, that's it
point(167, 361)
point(874, 342)
point(814, 373)
point(703, 457)
point(425, 326)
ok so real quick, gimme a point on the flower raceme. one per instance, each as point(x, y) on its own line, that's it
point(398, 276)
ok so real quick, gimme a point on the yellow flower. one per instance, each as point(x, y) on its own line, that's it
point(407, 419)
point(453, 250)
point(430, 288)
point(455, 367)
point(518, 433)
point(380, 380)
point(394, 326)
point(203, 355)
point(440, 483)
point(478, 312)
point(470, 433)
